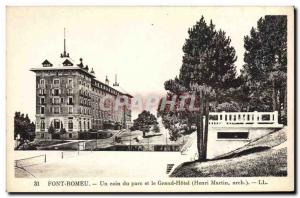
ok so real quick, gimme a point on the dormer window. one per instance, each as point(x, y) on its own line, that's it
point(46, 63)
point(67, 63)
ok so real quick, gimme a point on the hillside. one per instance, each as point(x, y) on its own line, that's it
point(265, 156)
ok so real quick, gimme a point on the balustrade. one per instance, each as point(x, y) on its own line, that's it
point(243, 118)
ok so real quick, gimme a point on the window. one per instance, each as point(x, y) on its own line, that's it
point(70, 81)
point(42, 135)
point(70, 135)
point(233, 135)
point(56, 124)
point(56, 101)
point(56, 81)
point(62, 100)
point(70, 110)
point(42, 81)
point(70, 91)
point(79, 125)
point(42, 110)
point(42, 91)
point(42, 100)
point(56, 92)
point(70, 101)
point(42, 125)
point(70, 124)
point(56, 110)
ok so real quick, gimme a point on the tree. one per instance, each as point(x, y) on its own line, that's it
point(23, 126)
point(207, 71)
point(266, 63)
point(144, 122)
point(62, 132)
point(156, 128)
point(51, 129)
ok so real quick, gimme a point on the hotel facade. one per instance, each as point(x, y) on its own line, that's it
point(69, 97)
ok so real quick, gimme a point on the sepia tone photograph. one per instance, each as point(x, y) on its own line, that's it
point(150, 99)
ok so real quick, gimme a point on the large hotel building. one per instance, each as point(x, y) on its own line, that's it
point(68, 96)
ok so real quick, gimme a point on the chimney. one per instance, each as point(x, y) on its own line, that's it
point(106, 81)
point(92, 72)
point(116, 84)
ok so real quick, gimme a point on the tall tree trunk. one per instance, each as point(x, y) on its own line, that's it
point(274, 96)
point(189, 125)
point(285, 104)
point(199, 137)
point(200, 130)
point(279, 105)
point(206, 128)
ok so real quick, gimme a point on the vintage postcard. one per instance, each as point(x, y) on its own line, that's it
point(150, 99)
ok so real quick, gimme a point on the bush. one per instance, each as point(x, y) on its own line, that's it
point(229, 107)
point(51, 129)
point(104, 135)
point(156, 129)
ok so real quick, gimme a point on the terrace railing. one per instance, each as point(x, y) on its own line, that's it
point(254, 119)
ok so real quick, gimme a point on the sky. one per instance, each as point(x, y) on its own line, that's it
point(142, 45)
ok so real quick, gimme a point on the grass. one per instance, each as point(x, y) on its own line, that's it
point(258, 158)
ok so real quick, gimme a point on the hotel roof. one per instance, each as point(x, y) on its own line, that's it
point(66, 63)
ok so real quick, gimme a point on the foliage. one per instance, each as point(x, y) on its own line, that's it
point(229, 107)
point(171, 122)
point(92, 130)
point(51, 129)
point(156, 128)
point(23, 126)
point(144, 122)
point(207, 71)
point(265, 68)
point(62, 131)
point(264, 45)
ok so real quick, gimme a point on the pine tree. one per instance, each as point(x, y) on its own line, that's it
point(207, 70)
point(266, 62)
